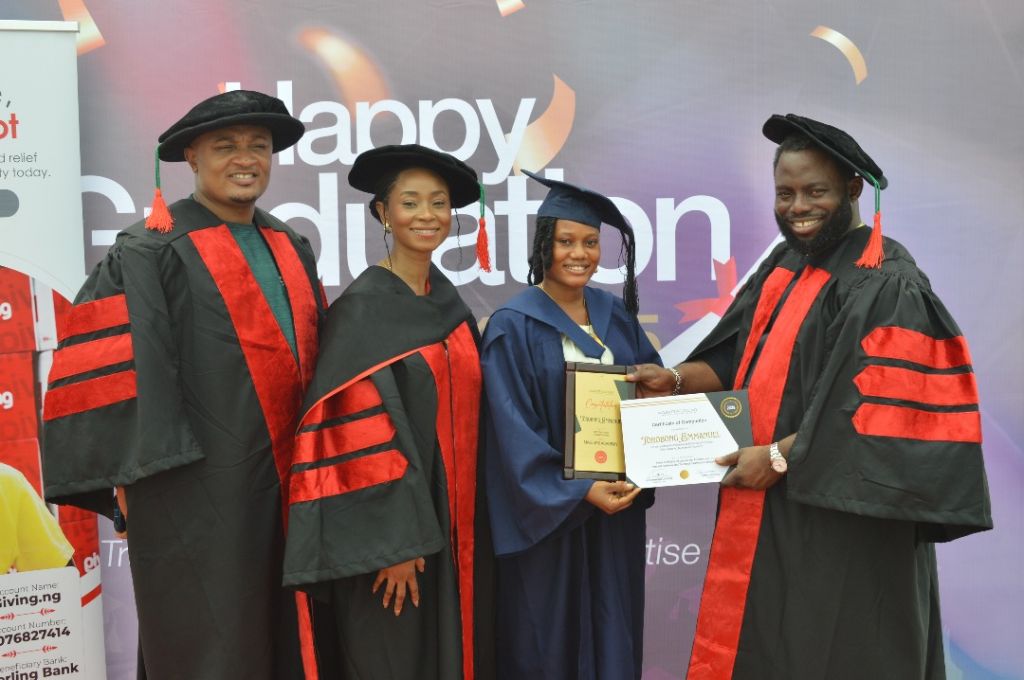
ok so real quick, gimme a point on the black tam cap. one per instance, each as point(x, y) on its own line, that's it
point(837, 143)
point(238, 107)
point(570, 202)
point(846, 151)
point(374, 166)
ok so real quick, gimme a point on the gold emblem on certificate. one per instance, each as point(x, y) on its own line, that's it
point(593, 426)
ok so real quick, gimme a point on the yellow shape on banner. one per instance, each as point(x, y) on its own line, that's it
point(545, 137)
point(507, 7)
point(89, 36)
point(357, 76)
point(846, 46)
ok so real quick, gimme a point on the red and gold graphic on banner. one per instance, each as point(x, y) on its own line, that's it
point(507, 7)
point(847, 47)
point(89, 36)
point(355, 74)
point(546, 136)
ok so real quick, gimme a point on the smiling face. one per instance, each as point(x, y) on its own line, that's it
point(814, 204)
point(232, 167)
point(418, 211)
point(575, 253)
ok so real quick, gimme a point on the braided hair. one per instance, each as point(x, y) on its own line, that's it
point(543, 254)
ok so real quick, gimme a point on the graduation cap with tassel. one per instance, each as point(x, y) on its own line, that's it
point(844, 149)
point(571, 202)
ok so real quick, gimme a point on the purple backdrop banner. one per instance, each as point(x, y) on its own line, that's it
point(658, 104)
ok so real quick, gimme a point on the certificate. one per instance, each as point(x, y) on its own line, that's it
point(593, 428)
point(670, 441)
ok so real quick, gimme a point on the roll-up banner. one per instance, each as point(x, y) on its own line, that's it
point(42, 259)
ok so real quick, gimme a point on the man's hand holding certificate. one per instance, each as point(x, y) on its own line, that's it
point(674, 440)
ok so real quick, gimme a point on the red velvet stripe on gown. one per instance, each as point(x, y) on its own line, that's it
point(276, 376)
point(723, 600)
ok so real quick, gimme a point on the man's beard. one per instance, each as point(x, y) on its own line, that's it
point(830, 233)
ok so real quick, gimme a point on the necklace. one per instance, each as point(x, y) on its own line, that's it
point(587, 326)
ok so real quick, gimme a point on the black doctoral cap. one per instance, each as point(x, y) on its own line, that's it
point(570, 202)
point(845, 150)
point(373, 168)
point(834, 141)
point(238, 107)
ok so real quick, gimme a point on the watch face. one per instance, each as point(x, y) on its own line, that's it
point(779, 465)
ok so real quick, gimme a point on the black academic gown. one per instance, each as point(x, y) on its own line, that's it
point(174, 379)
point(831, 572)
point(385, 471)
point(570, 578)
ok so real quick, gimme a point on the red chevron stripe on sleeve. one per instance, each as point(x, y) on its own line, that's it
point(345, 438)
point(347, 476)
point(89, 394)
point(885, 420)
point(97, 315)
point(893, 342)
point(357, 397)
point(892, 382)
point(89, 356)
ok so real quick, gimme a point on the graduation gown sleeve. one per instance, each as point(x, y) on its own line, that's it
point(529, 499)
point(362, 462)
point(113, 412)
point(892, 429)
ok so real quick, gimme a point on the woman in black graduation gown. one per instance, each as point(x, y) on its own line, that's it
point(385, 515)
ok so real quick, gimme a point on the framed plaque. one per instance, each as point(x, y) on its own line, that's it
point(593, 425)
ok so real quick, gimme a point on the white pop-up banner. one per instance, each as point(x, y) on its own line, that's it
point(41, 236)
point(40, 161)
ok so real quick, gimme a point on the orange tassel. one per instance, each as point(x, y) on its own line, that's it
point(872, 256)
point(160, 218)
point(482, 252)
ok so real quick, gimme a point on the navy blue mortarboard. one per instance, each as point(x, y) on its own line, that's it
point(570, 202)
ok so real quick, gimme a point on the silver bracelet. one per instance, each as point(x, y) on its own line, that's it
point(679, 381)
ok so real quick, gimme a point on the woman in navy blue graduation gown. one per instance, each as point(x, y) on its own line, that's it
point(570, 552)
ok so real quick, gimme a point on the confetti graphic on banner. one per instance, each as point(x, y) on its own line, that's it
point(357, 76)
point(507, 7)
point(546, 136)
point(89, 36)
point(725, 275)
point(846, 46)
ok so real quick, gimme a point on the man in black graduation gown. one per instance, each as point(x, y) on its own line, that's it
point(178, 381)
point(867, 440)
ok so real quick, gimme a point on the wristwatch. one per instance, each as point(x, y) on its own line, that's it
point(776, 458)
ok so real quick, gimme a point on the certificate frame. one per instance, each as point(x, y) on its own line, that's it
point(606, 380)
